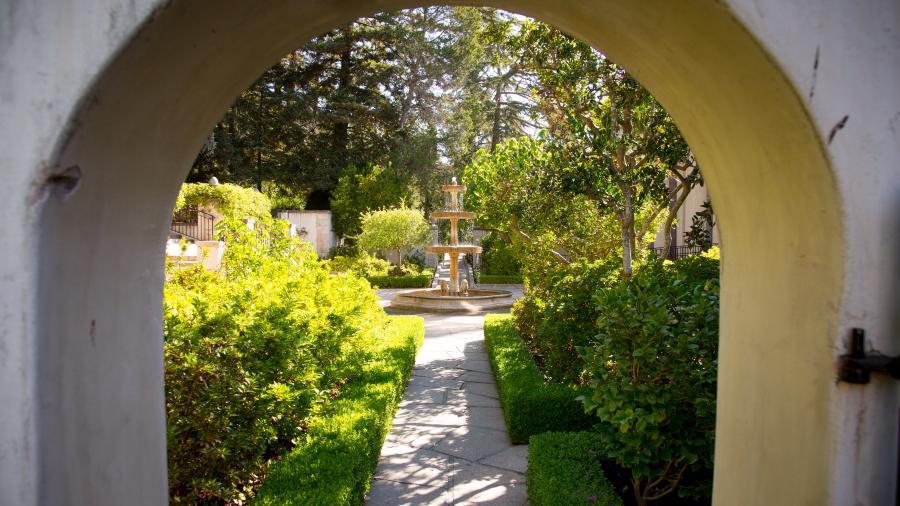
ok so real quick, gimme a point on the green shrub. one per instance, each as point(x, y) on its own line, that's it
point(498, 279)
point(394, 230)
point(564, 468)
point(231, 200)
point(530, 405)
point(335, 459)
point(653, 363)
point(559, 316)
point(251, 353)
point(363, 265)
point(423, 280)
point(498, 257)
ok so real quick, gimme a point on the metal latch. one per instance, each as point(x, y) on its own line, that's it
point(856, 366)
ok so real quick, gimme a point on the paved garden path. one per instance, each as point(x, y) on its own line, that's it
point(448, 444)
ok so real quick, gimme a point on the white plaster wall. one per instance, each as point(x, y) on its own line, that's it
point(857, 45)
point(50, 52)
point(318, 228)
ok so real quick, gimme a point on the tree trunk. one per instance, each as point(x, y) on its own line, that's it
point(639, 498)
point(673, 211)
point(495, 129)
point(627, 236)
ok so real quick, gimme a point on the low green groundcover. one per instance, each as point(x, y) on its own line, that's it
point(499, 279)
point(418, 281)
point(564, 468)
point(335, 459)
point(530, 405)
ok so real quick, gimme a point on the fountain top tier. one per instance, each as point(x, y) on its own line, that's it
point(454, 215)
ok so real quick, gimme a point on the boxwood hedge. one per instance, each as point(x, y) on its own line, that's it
point(418, 281)
point(333, 462)
point(530, 405)
point(498, 279)
point(564, 468)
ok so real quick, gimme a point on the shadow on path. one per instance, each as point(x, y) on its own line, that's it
point(448, 442)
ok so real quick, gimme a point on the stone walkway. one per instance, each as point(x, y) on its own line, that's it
point(448, 443)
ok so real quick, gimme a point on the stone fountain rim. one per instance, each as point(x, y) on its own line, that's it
point(435, 294)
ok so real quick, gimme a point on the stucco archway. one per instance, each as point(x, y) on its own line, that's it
point(100, 420)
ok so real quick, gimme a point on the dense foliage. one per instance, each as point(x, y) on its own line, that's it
point(360, 190)
point(335, 458)
point(418, 89)
point(653, 363)
point(530, 405)
point(393, 230)
point(564, 468)
point(498, 257)
point(251, 353)
point(559, 315)
point(230, 200)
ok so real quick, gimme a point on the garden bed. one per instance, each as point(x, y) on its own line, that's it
point(334, 461)
point(530, 405)
point(423, 280)
point(498, 279)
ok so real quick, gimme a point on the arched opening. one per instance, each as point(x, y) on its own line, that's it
point(135, 136)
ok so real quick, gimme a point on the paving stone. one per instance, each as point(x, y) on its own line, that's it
point(473, 444)
point(511, 459)
point(485, 417)
point(479, 484)
point(389, 493)
point(467, 398)
point(485, 389)
point(411, 465)
point(479, 365)
point(476, 377)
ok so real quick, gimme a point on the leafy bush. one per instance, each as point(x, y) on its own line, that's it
point(498, 279)
point(422, 280)
point(564, 468)
point(393, 230)
point(251, 353)
point(653, 364)
point(498, 257)
point(559, 316)
point(530, 405)
point(231, 200)
point(380, 272)
point(334, 460)
point(363, 265)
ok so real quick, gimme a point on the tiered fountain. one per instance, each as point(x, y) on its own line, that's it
point(455, 296)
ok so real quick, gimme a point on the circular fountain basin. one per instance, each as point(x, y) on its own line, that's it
point(431, 301)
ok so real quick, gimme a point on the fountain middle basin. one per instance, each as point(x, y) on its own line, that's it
point(430, 300)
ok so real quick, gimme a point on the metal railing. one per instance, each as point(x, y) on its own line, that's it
point(192, 223)
point(676, 252)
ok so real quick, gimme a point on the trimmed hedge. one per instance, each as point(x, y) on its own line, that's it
point(335, 459)
point(530, 405)
point(564, 468)
point(420, 281)
point(498, 279)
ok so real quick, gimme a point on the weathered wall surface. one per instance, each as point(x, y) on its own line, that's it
point(770, 115)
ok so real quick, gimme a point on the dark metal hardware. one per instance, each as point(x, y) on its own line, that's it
point(856, 366)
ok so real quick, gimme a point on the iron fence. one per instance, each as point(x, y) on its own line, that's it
point(192, 223)
point(676, 252)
